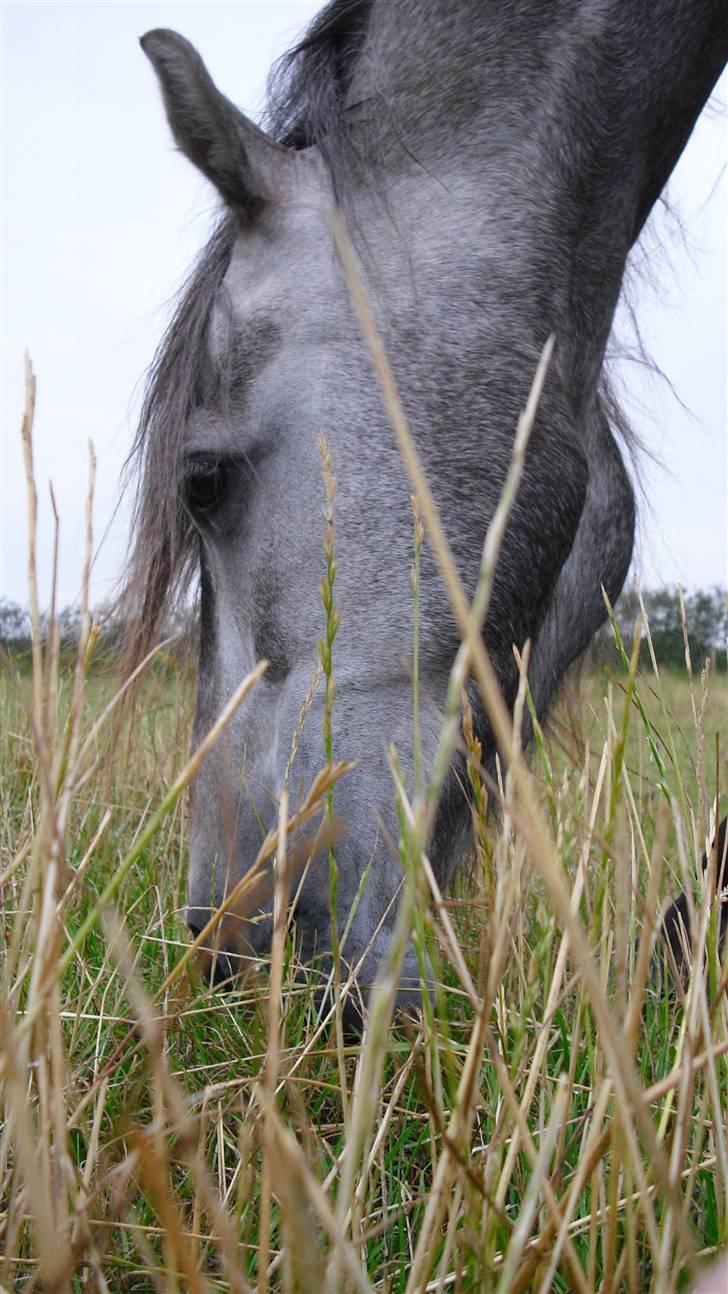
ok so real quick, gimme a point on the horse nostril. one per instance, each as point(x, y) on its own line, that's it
point(197, 919)
point(218, 965)
point(220, 970)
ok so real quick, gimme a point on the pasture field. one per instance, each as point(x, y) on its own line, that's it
point(554, 1120)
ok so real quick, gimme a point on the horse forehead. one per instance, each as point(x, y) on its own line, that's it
point(251, 330)
point(276, 268)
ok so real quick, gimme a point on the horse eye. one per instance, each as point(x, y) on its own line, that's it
point(207, 480)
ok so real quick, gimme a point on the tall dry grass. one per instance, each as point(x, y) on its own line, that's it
point(553, 1119)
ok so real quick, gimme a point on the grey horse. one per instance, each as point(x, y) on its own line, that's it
point(494, 162)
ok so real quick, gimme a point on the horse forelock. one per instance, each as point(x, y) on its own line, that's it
point(308, 86)
point(162, 558)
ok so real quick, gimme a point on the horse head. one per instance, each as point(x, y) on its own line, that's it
point(491, 204)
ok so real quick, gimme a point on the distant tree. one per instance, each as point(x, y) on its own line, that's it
point(706, 617)
point(14, 623)
point(69, 627)
point(706, 613)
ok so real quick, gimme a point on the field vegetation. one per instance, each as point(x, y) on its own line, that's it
point(552, 1119)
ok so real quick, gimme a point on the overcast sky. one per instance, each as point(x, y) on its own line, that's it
point(101, 220)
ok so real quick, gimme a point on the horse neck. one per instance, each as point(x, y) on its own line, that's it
point(552, 126)
point(588, 74)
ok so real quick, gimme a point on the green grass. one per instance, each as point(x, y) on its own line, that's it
point(552, 1120)
point(122, 1115)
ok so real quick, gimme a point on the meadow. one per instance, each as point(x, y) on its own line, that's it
point(163, 1135)
point(553, 1118)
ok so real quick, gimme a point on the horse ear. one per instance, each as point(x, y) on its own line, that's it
point(238, 158)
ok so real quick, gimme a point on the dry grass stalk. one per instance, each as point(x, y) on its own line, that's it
point(529, 817)
point(155, 1133)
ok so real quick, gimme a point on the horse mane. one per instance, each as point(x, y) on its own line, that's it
point(308, 86)
point(306, 96)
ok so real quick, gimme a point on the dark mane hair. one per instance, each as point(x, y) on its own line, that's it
point(307, 88)
point(306, 95)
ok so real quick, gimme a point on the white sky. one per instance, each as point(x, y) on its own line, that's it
point(101, 220)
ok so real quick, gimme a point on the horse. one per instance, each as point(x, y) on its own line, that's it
point(494, 164)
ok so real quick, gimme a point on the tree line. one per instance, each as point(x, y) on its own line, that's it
point(697, 620)
point(701, 615)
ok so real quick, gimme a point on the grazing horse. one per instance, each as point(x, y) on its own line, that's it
point(494, 162)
